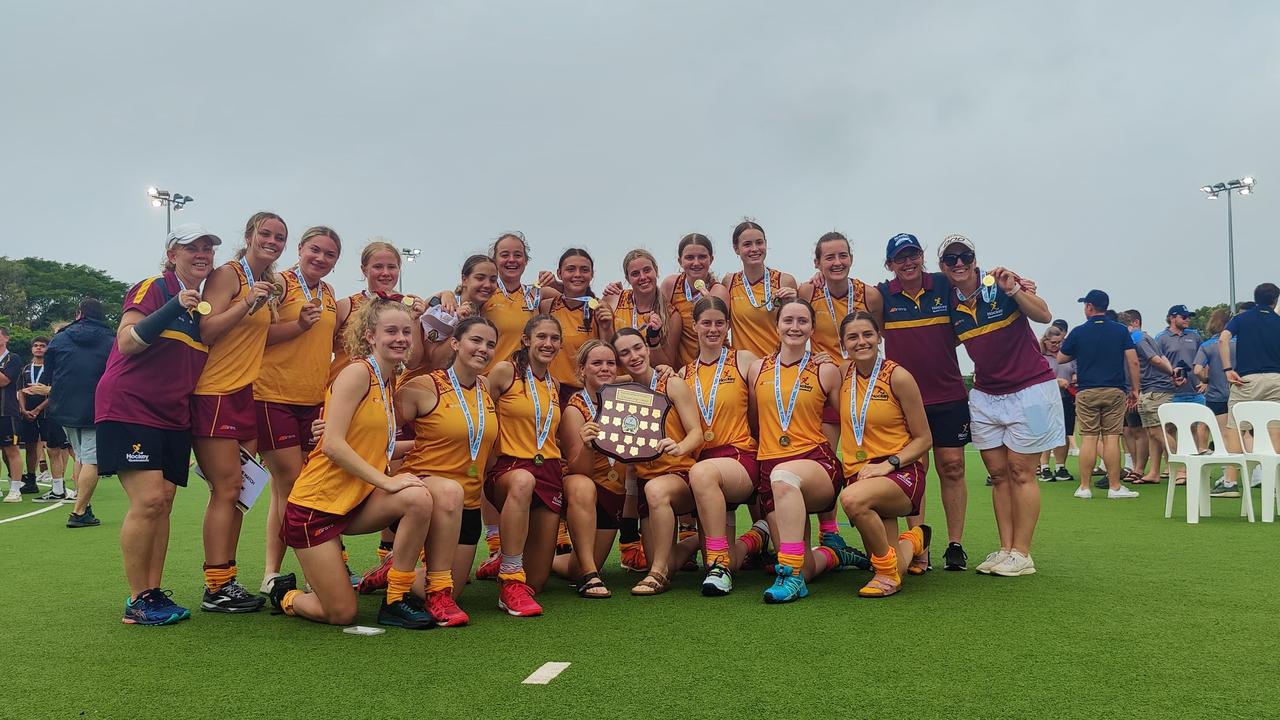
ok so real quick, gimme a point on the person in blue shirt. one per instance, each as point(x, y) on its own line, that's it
point(1107, 382)
point(1208, 370)
point(1255, 373)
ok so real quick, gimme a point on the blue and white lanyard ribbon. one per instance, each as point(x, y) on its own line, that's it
point(248, 271)
point(474, 436)
point(591, 405)
point(386, 407)
point(530, 294)
point(858, 418)
point(784, 416)
point(708, 409)
point(831, 308)
point(768, 290)
point(988, 293)
point(542, 429)
point(306, 291)
point(688, 291)
point(34, 377)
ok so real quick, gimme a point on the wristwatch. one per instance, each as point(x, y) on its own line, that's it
point(894, 461)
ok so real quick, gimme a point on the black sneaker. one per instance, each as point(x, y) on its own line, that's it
point(990, 481)
point(1102, 483)
point(1063, 474)
point(280, 587)
point(955, 557)
point(231, 598)
point(1099, 471)
point(1046, 474)
point(407, 613)
point(50, 496)
point(29, 486)
point(85, 520)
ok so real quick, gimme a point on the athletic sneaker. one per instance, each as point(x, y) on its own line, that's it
point(1099, 471)
point(787, 587)
point(488, 569)
point(71, 496)
point(407, 612)
point(143, 611)
point(280, 586)
point(50, 496)
point(990, 481)
point(1046, 475)
point(29, 486)
point(632, 556)
point(992, 560)
point(1083, 493)
point(849, 556)
point(718, 582)
point(1102, 483)
point(231, 598)
point(1121, 493)
point(14, 496)
point(1063, 474)
point(955, 557)
point(1015, 565)
point(516, 598)
point(445, 611)
point(164, 599)
point(1255, 480)
point(85, 520)
point(376, 579)
point(267, 581)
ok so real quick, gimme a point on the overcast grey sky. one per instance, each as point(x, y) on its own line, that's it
point(1067, 139)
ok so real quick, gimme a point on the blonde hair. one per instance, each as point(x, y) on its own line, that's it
point(251, 228)
point(320, 230)
point(661, 305)
point(1051, 330)
point(365, 320)
point(377, 244)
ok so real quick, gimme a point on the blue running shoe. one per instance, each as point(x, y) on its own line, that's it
point(848, 555)
point(143, 611)
point(162, 599)
point(787, 587)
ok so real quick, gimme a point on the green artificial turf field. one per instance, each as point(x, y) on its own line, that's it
point(1130, 615)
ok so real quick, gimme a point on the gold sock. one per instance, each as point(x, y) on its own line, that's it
point(398, 584)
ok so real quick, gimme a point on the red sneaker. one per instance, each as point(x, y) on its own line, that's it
point(375, 579)
point(446, 612)
point(517, 599)
point(633, 558)
point(488, 569)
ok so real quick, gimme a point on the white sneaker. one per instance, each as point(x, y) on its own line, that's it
point(1084, 493)
point(1121, 493)
point(71, 495)
point(267, 582)
point(1255, 480)
point(1015, 565)
point(992, 560)
point(45, 478)
point(14, 496)
point(718, 582)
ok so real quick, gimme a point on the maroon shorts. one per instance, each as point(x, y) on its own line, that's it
point(821, 454)
point(830, 416)
point(745, 458)
point(642, 503)
point(225, 416)
point(608, 509)
point(548, 481)
point(306, 528)
point(910, 478)
point(283, 426)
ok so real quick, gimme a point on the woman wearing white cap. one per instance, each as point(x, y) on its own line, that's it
point(1015, 405)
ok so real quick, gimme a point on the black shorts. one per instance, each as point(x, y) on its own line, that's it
point(604, 520)
point(472, 527)
point(1218, 408)
point(42, 428)
point(949, 423)
point(10, 431)
point(126, 446)
point(1069, 412)
point(1132, 419)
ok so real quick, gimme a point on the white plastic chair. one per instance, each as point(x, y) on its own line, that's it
point(1183, 416)
point(1258, 414)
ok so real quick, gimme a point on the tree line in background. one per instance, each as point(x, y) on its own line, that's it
point(36, 294)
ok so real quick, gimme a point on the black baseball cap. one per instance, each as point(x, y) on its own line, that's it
point(1180, 310)
point(900, 242)
point(1097, 298)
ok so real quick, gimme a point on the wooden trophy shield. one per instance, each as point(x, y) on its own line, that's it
point(631, 418)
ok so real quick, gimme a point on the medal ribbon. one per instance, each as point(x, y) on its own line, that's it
point(528, 293)
point(831, 308)
point(474, 436)
point(306, 291)
point(688, 291)
point(387, 408)
point(248, 272)
point(34, 377)
point(784, 417)
point(859, 418)
point(708, 410)
point(768, 290)
point(591, 406)
point(542, 429)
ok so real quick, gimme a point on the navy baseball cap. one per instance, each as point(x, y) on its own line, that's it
point(900, 242)
point(1096, 298)
point(1180, 310)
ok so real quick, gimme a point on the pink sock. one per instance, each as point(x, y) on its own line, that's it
point(791, 548)
point(829, 554)
point(717, 544)
point(829, 526)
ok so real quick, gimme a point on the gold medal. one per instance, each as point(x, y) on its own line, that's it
point(700, 285)
point(314, 302)
point(708, 436)
point(613, 476)
point(593, 304)
point(784, 440)
point(988, 280)
point(538, 460)
point(472, 470)
point(203, 307)
point(861, 455)
point(407, 301)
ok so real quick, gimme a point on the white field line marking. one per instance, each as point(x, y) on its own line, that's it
point(546, 673)
point(54, 506)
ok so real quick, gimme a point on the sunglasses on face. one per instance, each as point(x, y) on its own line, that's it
point(907, 256)
point(952, 259)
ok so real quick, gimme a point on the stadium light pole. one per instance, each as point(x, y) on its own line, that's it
point(410, 255)
point(1244, 186)
point(171, 202)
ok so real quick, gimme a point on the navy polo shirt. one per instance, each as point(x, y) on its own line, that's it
point(1258, 347)
point(1098, 347)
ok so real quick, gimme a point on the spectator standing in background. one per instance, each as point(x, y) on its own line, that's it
point(38, 434)
point(10, 418)
point(1157, 383)
point(1255, 374)
point(1208, 370)
point(1050, 344)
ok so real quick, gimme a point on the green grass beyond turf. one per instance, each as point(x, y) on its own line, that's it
point(1131, 615)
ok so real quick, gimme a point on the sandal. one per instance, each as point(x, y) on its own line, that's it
point(880, 587)
point(655, 583)
point(1143, 481)
point(591, 587)
point(920, 563)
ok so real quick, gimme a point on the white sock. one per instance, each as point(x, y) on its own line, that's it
point(15, 485)
point(58, 487)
